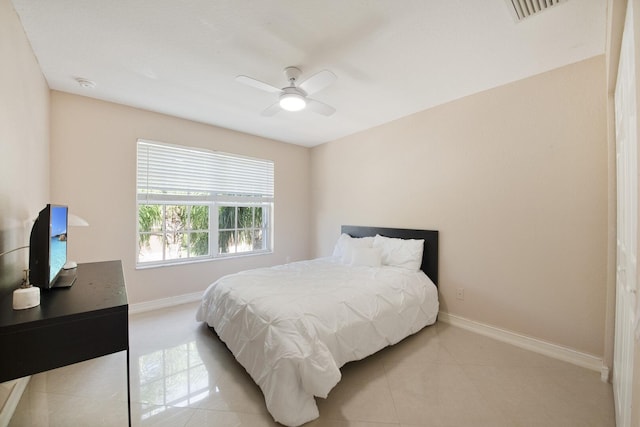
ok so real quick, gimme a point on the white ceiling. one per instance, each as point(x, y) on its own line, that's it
point(392, 57)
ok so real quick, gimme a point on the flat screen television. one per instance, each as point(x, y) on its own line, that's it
point(48, 248)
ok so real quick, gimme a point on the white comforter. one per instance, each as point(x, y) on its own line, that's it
point(293, 326)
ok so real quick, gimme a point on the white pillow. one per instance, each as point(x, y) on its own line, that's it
point(345, 242)
point(338, 249)
point(366, 257)
point(403, 253)
point(354, 244)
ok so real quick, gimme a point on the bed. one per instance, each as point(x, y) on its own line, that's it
point(293, 326)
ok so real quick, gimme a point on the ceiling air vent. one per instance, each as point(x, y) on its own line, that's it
point(522, 9)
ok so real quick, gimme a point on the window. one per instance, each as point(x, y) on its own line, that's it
point(171, 231)
point(197, 204)
point(241, 229)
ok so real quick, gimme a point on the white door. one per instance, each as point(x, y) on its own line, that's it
point(627, 223)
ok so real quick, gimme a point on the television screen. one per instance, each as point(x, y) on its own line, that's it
point(57, 241)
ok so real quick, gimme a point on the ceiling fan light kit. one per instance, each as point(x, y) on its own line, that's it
point(292, 102)
point(295, 96)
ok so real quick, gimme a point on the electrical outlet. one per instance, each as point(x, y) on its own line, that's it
point(460, 294)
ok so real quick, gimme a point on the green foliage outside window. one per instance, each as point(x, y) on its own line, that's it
point(183, 230)
point(240, 229)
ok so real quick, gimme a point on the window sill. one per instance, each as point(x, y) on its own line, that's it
point(159, 264)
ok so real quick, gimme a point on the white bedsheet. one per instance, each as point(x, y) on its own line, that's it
point(293, 326)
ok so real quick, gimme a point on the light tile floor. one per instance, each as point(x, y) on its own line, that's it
point(182, 375)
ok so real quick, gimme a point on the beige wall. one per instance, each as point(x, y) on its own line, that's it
point(515, 179)
point(24, 144)
point(93, 167)
point(24, 151)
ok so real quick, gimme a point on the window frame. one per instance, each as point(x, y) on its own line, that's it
point(214, 200)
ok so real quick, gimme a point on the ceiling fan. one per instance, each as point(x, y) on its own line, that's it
point(295, 96)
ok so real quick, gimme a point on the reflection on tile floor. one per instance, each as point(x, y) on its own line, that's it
point(182, 375)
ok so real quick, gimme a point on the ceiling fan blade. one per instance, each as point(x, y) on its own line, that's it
point(250, 81)
point(272, 110)
point(318, 81)
point(320, 107)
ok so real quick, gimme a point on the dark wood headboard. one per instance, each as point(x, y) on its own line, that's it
point(430, 237)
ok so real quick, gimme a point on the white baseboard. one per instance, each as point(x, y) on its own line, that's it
point(556, 351)
point(10, 405)
point(142, 307)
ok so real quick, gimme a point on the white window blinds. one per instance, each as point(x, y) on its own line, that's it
point(170, 171)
